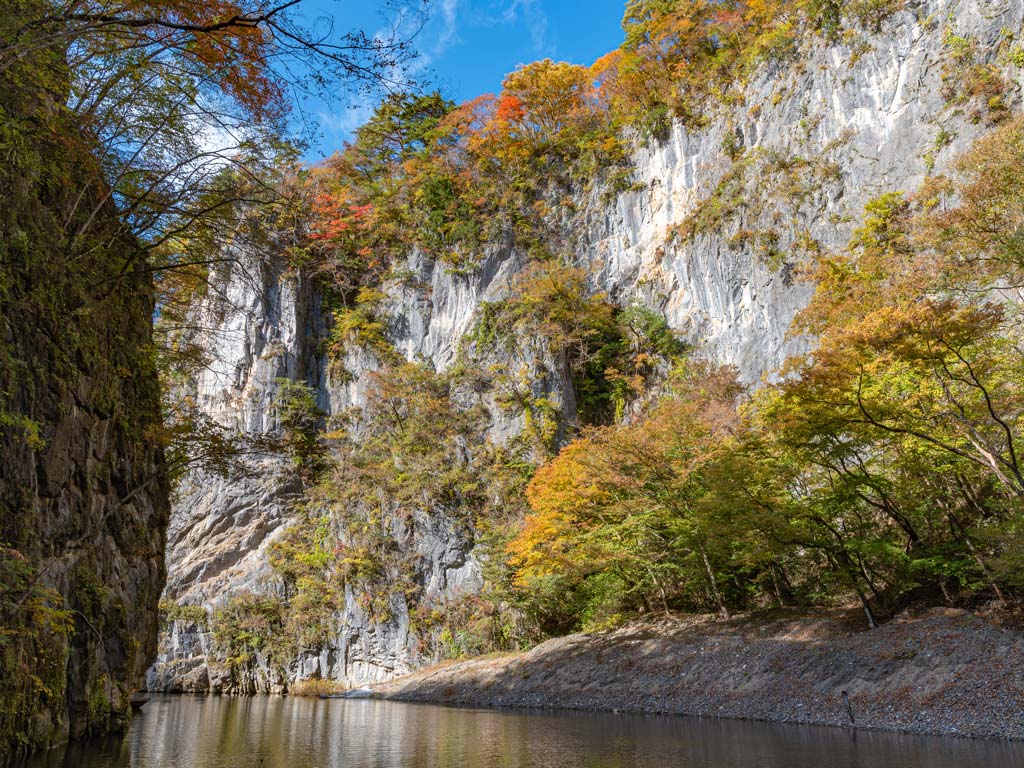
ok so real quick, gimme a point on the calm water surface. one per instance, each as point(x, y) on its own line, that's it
point(275, 732)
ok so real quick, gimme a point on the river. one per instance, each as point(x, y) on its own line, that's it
point(275, 732)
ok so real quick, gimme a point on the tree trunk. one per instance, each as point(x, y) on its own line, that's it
point(722, 608)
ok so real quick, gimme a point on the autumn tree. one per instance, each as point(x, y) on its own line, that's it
point(975, 218)
point(173, 93)
point(625, 506)
point(904, 421)
point(366, 205)
point(546, 98)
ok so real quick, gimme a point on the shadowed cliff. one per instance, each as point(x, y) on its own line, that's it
point(83, 495)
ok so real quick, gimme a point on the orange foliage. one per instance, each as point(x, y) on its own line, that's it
point(334, 218)
point(510, 108)
point(618, 490)
point(980, 237)
point(557, 493)
point(228, 39)
point(551, 97)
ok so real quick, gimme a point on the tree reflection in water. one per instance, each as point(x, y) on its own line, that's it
point(276, 732)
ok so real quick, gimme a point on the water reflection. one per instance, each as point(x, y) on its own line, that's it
point(273, 732)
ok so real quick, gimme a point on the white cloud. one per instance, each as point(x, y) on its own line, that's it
point(449, 34)
point(532, 14)
point(339, 127)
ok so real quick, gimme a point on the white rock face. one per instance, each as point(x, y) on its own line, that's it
point(875, 116)
point(821, 135)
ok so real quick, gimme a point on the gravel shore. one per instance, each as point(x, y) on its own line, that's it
point(939, 671)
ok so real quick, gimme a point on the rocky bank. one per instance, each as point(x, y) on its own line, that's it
point(941, 671)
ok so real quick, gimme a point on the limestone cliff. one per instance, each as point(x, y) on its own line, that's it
point(712, 235)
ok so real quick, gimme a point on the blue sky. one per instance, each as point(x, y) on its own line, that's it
point(468, 46)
